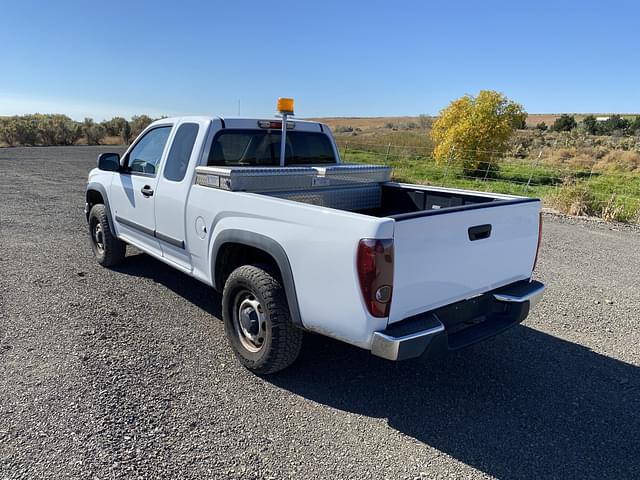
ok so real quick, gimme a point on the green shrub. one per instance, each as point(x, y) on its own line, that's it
point(114, 126)
point(125, 133)
point(614, 125)
point(573, 200)
point(564, 123)
point(590, 124)
point(344, 129)
point(93, 131)
point(139, 123)
point(8, 131)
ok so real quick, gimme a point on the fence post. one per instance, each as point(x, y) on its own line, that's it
point(486, 173)
point(535, 164)
point(446, 168)
point(386, 156)
point(344, 153)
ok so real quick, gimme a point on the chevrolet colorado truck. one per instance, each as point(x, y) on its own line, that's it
point(264, 211)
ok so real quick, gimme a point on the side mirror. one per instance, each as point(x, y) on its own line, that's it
point(109, 162)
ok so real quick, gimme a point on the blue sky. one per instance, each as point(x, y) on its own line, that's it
point(337, 58)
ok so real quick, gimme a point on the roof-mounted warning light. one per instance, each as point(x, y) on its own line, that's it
point(285, 108)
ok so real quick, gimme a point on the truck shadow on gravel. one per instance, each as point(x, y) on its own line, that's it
point(192, 290)
point(523, 405)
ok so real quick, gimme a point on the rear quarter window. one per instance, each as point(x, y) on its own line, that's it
point(180, 152)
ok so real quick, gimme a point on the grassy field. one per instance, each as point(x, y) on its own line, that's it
point(614, 196)
point(572, 172)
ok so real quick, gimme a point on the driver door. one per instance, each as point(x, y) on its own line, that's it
point(132, 191)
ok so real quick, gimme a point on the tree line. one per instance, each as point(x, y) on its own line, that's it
point(612, 125)
point(58, 129)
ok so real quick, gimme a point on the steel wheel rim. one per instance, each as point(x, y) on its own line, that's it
point(250, 322)
point(98, 236)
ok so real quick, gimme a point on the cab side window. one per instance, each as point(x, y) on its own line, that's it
point(145, 155)
point(180, 153)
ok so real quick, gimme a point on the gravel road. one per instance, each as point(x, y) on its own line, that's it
point(125, 373)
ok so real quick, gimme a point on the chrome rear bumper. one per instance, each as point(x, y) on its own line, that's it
point(406, 346)
point(532, 296)
point(497, 311)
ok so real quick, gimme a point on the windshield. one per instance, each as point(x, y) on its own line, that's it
point(262, 148)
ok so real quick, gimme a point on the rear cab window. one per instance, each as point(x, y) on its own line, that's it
point(261, 148)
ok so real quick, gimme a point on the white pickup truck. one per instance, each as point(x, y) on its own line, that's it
point(315, 245)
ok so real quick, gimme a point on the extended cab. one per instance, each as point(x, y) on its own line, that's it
point(314, 244)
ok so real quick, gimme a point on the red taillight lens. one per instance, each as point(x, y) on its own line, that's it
point(535, 261)
point(375, 272)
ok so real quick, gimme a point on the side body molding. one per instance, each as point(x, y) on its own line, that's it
point(269, 246)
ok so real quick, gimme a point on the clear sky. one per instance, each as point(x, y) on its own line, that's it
point(339, 58)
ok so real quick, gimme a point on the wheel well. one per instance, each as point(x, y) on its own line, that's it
point(94, 197)
point(233, 255)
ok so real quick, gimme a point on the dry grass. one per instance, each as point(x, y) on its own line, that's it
point(572, 157)
point(573, 200)
point(105, 141)
point(364, 123)
point(619, 161)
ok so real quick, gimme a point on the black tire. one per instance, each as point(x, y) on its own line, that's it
point(261, 294)
point(107, 249)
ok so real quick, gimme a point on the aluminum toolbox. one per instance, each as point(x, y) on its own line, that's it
point(345, 187)
point(349, 174)
point(256, 179)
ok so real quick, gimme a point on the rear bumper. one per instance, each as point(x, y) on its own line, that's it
point(458, 325)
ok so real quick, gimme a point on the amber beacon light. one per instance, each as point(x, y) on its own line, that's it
point(285, 105)
point(285, 108)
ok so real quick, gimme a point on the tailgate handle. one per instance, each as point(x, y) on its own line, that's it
point(479, 232)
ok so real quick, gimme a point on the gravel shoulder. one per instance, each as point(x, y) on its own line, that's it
point(125, 373)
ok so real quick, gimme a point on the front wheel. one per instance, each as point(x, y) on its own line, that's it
point(107, 249)
point(257, 322)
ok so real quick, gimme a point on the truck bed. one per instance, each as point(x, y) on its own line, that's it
point(363, 189)
point(403, 201)
point(396, 200)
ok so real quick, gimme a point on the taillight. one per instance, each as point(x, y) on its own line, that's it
point(535, 261)
point(375, 272)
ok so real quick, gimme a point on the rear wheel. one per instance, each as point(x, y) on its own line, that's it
point(107, 249)
point(257, 321)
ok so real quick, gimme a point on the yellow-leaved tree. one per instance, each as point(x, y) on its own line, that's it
point(476, 130)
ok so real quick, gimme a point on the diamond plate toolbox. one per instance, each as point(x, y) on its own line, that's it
point(256, 179)
point(346, 174)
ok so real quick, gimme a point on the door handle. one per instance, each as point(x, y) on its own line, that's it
point(479, 232)
point(147, 191)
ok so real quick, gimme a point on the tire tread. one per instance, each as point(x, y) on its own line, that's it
point(286, 339)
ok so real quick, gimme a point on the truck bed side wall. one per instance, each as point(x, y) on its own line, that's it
point(320, 245)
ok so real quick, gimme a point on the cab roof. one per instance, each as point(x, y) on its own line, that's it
point(244, 122)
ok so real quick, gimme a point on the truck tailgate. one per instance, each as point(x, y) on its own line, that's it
point(443, 256)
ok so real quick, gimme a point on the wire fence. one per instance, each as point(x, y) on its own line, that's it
point(585, 189)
